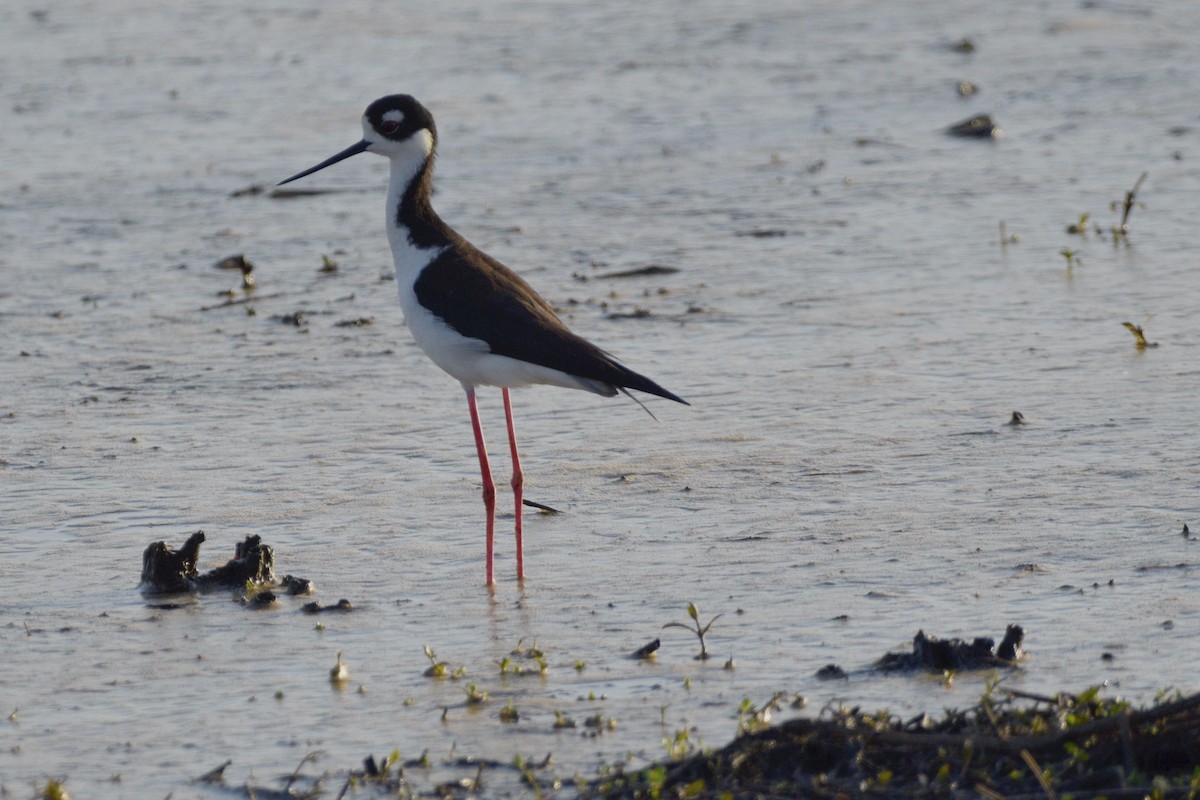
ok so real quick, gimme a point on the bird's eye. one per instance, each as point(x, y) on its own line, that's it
point(388, 127)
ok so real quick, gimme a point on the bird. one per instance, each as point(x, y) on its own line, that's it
point(475, 318)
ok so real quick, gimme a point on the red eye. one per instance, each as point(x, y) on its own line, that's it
point(389, 127)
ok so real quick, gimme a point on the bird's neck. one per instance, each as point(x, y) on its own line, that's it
point(414, 228)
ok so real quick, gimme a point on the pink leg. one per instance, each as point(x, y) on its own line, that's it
point(518, 481)
point(489, 488)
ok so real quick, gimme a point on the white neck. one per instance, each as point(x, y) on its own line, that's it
point(407, 257)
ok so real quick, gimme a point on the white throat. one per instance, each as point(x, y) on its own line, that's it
point(407, 161)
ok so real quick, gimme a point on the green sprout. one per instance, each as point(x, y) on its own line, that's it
point(1081, 227)
point(700, 630)
point(679, 746)
point(437, 669)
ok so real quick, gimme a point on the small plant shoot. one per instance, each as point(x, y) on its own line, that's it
point(700, 630)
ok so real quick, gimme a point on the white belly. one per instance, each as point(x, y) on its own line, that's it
point(469, 361)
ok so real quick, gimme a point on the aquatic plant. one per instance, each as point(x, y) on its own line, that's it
point(1139, 336)
point(679, 746)
point(1005, 237)
point(54, 790)
point(441, 669)
point(1071, 257)
point(523, 767)
point(340, 673)
point(1120, 232)
point(437, 669)
point(700, 630)
point(1079, 228)
point(531, 653)
point(752, 718)
point(600, 722)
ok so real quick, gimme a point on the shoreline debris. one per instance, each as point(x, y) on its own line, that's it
point(169, 571)
point(1082, 745)
point(939, 655)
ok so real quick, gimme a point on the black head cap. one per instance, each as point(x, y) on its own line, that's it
point(399, 116)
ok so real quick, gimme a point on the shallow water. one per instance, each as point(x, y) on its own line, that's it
point(844, 476)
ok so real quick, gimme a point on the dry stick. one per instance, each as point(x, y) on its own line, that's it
point(1041, 698)
point(1037, 773)
point(478, 782)
point(296, 773)
point(241, 301)
point(1026, 756)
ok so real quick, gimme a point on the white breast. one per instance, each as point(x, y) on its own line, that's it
point(468, 360)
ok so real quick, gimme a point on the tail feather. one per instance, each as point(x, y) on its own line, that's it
point(629, 379)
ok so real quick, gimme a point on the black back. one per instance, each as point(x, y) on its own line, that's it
point(477, 295)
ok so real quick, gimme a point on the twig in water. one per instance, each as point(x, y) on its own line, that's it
point(543, 508)
point(296, 773)
point(1127, 207)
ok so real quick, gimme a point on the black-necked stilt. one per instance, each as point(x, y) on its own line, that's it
point(477, 319)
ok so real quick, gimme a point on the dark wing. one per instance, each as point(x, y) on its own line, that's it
point(488, 301)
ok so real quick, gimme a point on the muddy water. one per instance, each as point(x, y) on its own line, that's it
point(851, 333)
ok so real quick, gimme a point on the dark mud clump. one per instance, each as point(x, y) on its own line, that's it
point(939, 655)
point(639, 272)
point(168, 571)
point(316, 607)
point(980, 126)
point(1077, 745)
point(646, 651)
point(931, 654)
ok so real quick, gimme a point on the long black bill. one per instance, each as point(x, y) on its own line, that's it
point(352, 150)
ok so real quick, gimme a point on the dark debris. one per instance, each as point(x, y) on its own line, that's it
point(939, 655)
point(1077, 745)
